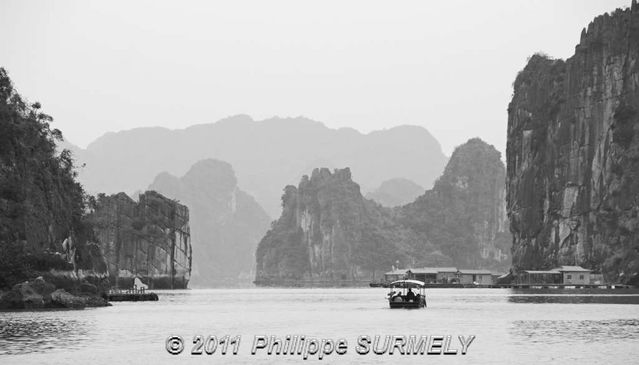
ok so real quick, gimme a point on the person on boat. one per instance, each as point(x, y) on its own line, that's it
point(410, 296)
point(395, 296)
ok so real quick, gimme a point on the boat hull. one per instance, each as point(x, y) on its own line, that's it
point(404, 304)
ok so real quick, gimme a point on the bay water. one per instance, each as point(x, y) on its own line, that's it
point(510, 327)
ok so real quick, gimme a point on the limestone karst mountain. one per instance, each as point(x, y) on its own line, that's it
point(226, 223)
point(573, 154)
point(329, 233)
point(464, 215)
point(147, 239)
point(42, 205)
point(266, 155)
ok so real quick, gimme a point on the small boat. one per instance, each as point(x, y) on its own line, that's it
point(401, 294)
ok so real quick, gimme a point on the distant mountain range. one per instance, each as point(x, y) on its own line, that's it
point(266, 155)
point(396, 192)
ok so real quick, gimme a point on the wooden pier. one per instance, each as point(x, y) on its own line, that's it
point(131, 295)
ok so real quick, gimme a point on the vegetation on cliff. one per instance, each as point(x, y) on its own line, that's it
point(41, 202)
point(573, 154)
point(464, 215)
point(329, 232)
point(41, 205)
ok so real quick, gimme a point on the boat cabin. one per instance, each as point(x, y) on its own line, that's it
point(407, 294)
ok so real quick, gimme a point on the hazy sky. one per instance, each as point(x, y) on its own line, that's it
point(445, 65)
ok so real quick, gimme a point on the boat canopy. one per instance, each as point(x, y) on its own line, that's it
point(407, 284)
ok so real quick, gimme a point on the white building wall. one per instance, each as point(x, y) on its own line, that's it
point(576, 277)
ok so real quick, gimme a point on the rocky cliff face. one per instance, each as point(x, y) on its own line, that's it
point(149, 239)
point(396, 192)
point(573, 154)
point(226, 222)
point(464, 215)
point(329, 232)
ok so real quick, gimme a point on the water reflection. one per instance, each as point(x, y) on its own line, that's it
point(575, 296)
point(553, 331)
point(20, 335)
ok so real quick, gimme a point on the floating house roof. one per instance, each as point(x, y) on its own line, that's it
point(475, 272)
point(437, 270)
point(445, 269)
point(424, 270)
point(558, 270)
point(432, 270)
point(572, 269)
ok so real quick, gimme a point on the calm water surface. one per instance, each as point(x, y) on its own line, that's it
point(511, 327)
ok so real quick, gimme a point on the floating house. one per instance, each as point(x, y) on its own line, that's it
point(442, 275)
point(397, 274)
point(447, 275)
point(574, 275)
point(481, 277)
point(429, 275)
point(539, 277)
point(566, 275)
point(425, 274)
